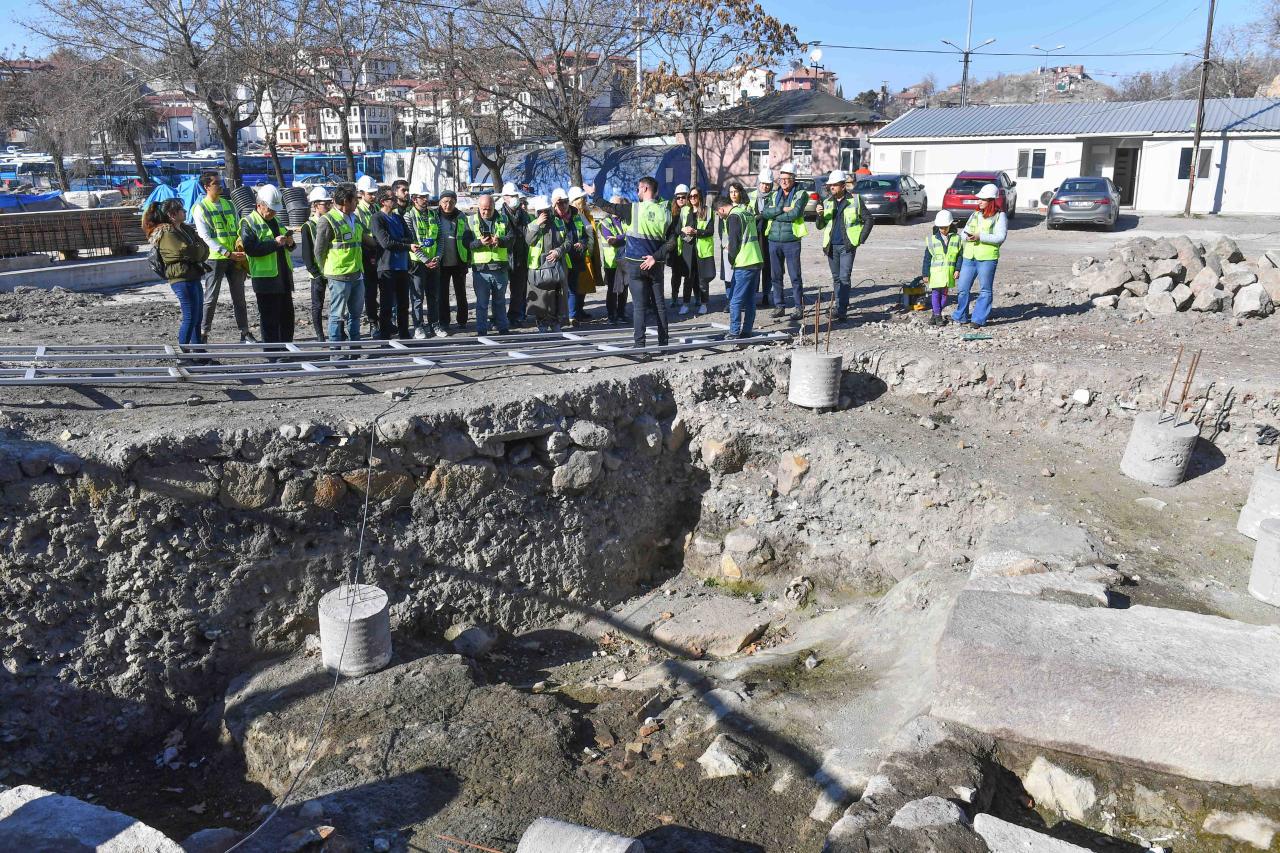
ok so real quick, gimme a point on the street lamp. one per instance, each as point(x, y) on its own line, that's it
point(1044, 60)
point(966, 52)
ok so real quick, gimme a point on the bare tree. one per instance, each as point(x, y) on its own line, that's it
point(129, 115)
point(566, 55)
point(928, 85)
point(196, 47)
point(282, 98)
point(704, 45)
point(59, 109)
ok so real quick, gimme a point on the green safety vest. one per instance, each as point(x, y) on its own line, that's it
point(852, 221)
point(535, 249)
point(978, 251)
point(345, 252)
point(749, 253)
point(798, 226)
point(364, 215)
point(486, 254)
point(221, 219)
point(266, 266)
point(942, 259)
point(608, 254)
point(425, 226)
point(706, 246)
point(649, 220)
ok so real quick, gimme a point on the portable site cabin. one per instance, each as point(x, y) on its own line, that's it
point(1144, 147)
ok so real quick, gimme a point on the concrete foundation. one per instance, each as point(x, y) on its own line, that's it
point(355, 629)
point(1159, 449)
point(1263, 502)
point(546, 835)
point(1264, 578)
point(80, 276)
point(815, 380)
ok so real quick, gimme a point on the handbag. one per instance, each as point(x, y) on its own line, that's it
point(546, 282)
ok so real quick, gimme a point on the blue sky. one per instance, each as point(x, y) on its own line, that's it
point(1085, 26)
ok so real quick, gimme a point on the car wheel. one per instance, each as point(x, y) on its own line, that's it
point(900, 218)
point(924, 207)
point(1052, 226)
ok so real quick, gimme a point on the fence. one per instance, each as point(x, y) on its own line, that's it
point(106, 230)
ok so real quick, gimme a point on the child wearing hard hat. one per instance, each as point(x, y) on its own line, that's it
point(942, 262)
point(268, 244)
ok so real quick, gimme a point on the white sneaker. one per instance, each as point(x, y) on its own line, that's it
point(441, 332)
point(419, 334)
point(684, 310)
point(702, 309)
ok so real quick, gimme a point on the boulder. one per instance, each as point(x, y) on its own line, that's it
point(1162, 250)
point(1107, 280)
point(1106, 302)
point(1188, 255)
point(1214, 263)
point(723, 455)
point(470, 639)
point(1160, 304)
point(591, 435)
point(1161, 284)
point(733, 756)
point(218, 839)
point(1045, 539)
point(1138, 287)
point(1226, 250)
point(719, 626)
point(1211, 300)
point(380, 484)
point(928, 812)
point(1085, 263)
point(1059, 790)
point(1271, 257)
point(1004, 837)
point(1253, 829)
point(328, 490)
point(1168, 269)
point(745, 553)
point(1234, 281)
point(461, 482)
point(33, 819)
point(1269, 278)
point(792, 468)
point(1140, 685)
point(582, 469)
point(1252, 301)
point(180, 482)
point(1182, 297)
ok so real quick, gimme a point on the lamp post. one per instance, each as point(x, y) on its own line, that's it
point(1044, 61)
point(966, 52)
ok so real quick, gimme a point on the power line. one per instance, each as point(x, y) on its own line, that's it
point(1127, 24)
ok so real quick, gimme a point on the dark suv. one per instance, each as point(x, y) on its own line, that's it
point(896, 196)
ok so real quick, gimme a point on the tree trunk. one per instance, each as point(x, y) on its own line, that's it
point(60, 168)
point(693, 148)
point(494, 166)
point(343, 116)
point(229, 152)
point(413, 157)
point(573, 152)
point(139, 163)
point(275, 161)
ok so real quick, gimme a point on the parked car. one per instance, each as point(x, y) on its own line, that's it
point(896, 196)
point(961, 197)
point(1092, 201)
point(809, 186)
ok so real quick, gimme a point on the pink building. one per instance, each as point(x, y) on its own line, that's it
point(815, 130)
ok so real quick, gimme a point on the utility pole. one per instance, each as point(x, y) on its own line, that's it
point(1044, 62)
point(1204, 85)
point(966, 52)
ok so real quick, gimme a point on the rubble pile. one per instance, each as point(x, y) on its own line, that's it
point(1158, 277)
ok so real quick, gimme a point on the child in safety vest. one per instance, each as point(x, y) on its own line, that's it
point(943, 257)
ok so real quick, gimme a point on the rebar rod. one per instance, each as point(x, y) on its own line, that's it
point(1172, 376)
point(450, 838)
point(1186, 387)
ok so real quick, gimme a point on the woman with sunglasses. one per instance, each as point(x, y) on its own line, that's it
point(675, 260)
point(183, 254)
point(698, 247)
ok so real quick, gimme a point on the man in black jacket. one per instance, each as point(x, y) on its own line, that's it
point(518, 301)
point(267, 243)
point(320, 202)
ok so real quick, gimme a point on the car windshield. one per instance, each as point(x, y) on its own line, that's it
point(871, 184)
point(969, 186)
point(1083, 187)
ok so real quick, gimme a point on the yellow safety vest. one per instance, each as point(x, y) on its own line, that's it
point(426, 231)
point(221, 219)
point(749, 253)
point(535, 249)
point(486, 254)
point(345, 256)
point(265, 266)
point(942, 260)
point(979, 251)
point(608, 254)
point(706, 246)
point(852, 221)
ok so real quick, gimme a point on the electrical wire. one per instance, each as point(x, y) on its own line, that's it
point(353, 578)
point(1126, 25)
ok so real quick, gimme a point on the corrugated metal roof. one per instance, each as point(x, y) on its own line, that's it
point(795, 108)
point(1232, 115)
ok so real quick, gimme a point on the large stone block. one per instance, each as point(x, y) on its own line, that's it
point(33, 819)
point(1193, 695)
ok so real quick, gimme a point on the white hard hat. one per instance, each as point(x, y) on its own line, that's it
point(557, 194)
point(319, 194)
point(766, 175)
point(419, 187)
point(787, 168)
point(988, 192)
point(510, 189)
point(269, 195)
point(682, 189)
point(837, 176)
point(539, 203)
point(943, 219)
point(367, 184)
point(576, 193)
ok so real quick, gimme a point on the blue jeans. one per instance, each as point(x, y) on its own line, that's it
point(742, 300)
point(346, 305)
point(489, 285)
point(788, 255)
point(575, 301)
point(841, 263)
point(985, 272)
point(191, 299)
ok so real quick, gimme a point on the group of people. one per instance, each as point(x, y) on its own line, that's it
point(392, 256)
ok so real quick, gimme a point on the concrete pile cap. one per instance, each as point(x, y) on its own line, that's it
point(1263, 502)
point(1264, 576)
point(547, 835)
point(1159, 449)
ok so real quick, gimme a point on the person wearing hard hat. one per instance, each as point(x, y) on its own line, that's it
point(942, 263)
point(424, 265)
point(490, 261)
point(983, 235)
point(547, 236)
point(785, 210)
point(759, 197)
point(518, 286)
point(267, 244)
point(743, 249)
point(320, 201)
point(397, 244)
point(367, 192)
point(215, 220)
point(339, 250)
point(589, 269)
point(845, 226)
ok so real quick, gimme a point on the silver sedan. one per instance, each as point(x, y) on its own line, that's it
point(1084, 201)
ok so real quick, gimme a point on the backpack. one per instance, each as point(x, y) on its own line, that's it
point(156, 262)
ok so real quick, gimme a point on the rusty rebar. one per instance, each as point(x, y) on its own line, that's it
point(1186, 387)
point(1164, 401)
point(817, 321)
point(466, 843)
point(1278, 455)
point(833, 297)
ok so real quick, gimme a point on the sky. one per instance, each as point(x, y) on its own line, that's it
point(1082, 27)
